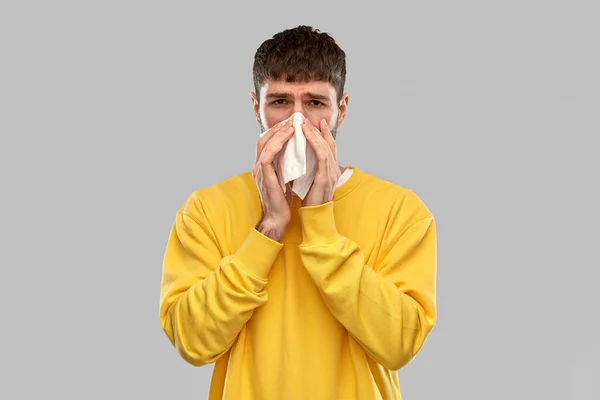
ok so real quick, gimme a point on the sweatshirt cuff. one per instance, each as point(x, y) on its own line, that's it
point(258, 253)
point(318, 223)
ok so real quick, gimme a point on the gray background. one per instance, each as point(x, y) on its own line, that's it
point(113, 112)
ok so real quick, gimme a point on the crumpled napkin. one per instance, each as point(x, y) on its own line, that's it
point(297, 160)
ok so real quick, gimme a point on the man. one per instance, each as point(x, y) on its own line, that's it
point(324, 297)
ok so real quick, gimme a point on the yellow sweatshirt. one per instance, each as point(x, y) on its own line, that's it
point(332, 312)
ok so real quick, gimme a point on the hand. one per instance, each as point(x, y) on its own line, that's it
point(276, 211)
point(328, 171)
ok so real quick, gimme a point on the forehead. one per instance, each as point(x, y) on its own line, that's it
point(298, 88)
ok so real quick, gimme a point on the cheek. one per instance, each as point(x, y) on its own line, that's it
point(272, 117)
point(315, 117)
point(333, 119)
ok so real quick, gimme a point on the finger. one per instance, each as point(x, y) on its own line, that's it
point(322, 150)
point(269, 175)
point(266, 174)
point(277, 130)
point(268, 135)
point(327, 135)
point(275, 145)
point(312, 133)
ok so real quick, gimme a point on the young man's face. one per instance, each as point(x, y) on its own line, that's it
point(315, 100)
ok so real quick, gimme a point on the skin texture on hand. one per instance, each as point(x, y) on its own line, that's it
point(328, 171)
point(275, 203)
point(272, 229)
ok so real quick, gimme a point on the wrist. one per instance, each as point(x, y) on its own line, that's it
point(272, 229)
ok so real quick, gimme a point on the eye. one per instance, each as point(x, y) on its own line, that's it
point(277, 102)
point(316, 103)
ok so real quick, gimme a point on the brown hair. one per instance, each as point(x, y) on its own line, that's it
point(300, 54)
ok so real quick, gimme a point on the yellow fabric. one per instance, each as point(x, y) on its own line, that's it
point(332, 312)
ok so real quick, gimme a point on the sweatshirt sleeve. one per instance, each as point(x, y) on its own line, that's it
point(205, 297)
point(389, 308)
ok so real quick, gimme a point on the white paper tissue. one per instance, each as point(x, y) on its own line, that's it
point(296, 161)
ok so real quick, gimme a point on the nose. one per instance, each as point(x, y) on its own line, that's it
point(299, 107)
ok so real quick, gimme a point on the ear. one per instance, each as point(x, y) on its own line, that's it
point(343, 108)
point(255, 107)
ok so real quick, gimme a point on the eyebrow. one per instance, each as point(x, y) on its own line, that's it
point(315, 96)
